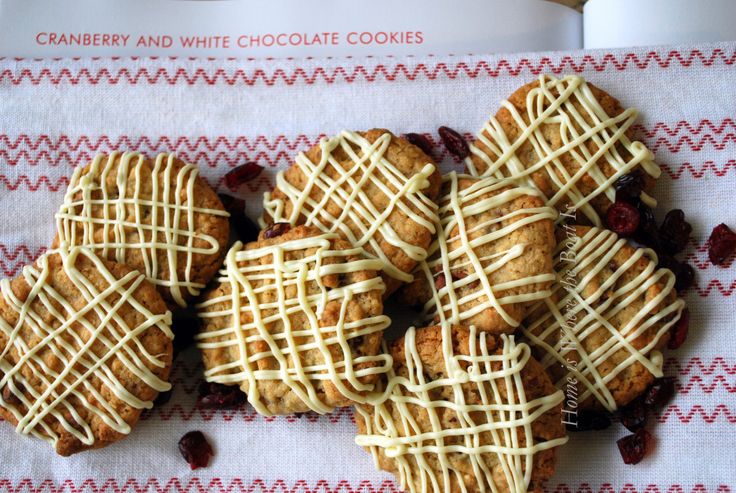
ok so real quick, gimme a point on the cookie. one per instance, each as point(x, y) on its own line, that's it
point(374, 189)
point(296, 322)
point(464, 411)
point(491, 258)
point(85, 346)
point(608, 317)
point(159, 217)
point(569, 139)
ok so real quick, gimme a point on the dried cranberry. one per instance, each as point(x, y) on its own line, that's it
point(276, 229)
point(195, 449)
point(622, 218)
point(634, 447)
point(629, 186)
point(590, 419)
point(678, 333)
point(163, 398)
point(660, 392)
point(10, 397)
point(684, 276)
point(420, 141)
point(721, 244)
point(242, 174)
point(454, 142)
point(674, 232)
point(218, 396)
point(461, 274)
point(648, 233)
point(634, 415)
point(440, 282)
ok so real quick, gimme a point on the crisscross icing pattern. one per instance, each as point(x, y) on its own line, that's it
point(360, 220)
point(157, 218)
point(461, 258)
point(582, 310)
point(72, 336)
point(258, 311)
point(500, 426)
point(554, 102)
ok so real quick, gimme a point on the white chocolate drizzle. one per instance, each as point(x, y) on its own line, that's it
point(69, 333)
point(554, 102)
point(265, 273)
point(458, 253)
point(582, 309)
point(360, 220)
point(159, 215)
point(503, 419)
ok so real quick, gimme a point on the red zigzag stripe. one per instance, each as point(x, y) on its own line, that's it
point(241, 485)
point(381, 72)
point(685, 127)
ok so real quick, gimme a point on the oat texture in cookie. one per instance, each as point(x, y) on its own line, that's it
point(158, 217)
point(610, 313)
point(463, 411)
point(492, 255)
point(296, 322)
point(569, 139)
point(374, 189)
point(86, 345)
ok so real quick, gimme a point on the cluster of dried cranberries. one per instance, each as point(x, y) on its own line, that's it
point(243, 227)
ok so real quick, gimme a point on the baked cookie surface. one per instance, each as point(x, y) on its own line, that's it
point(569, 139)
point(374, 189)
point(296, 322)
point(464, 411)
point(610, 313)
point(491, 258)
point(159, 217)
point(85, 346)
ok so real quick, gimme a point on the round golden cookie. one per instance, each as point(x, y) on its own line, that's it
point(159, 217)
point(569, 139)
point(609, 315)
point(296, 321)
point(374, 189)
point(85, 346)
point(464, 411)
point(492, 256)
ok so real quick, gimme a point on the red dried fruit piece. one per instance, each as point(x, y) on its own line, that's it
point(629, 186)
point(163, 398)
point(678, 333)
point(454, 142)
point(421, 142)
point(276, 229)
point(10, 397)
point(634, 415)
point(218, 396)
point(648, 233)
point(660, 392)
point(674, 232)
point(634, 447)
point(440, 282)
point(589, 419)
point(622, 218)
point(461, 274)
point(721, 244)
point(195, 449)
point(684, 276)
point(242, 174)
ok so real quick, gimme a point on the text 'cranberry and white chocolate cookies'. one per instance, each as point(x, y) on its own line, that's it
point(609, 315)
point(296, 322)
point(159, 217)
point(374, 189)
point(569, 139)
point(464, 411)
point(491, 258)
point(85, 347)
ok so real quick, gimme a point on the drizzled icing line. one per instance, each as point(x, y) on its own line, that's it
point(505, 416)
point(581, 309)
point(257, 302)
point(456, 256)
point(553, 102)
point(369, 167)
point(169, 203)
point(98, 322)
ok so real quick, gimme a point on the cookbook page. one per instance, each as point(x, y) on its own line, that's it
point(620, 23)
point(260, 28)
